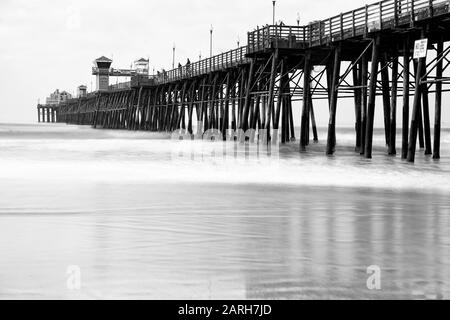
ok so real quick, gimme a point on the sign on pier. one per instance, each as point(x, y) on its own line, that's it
point(420, 48)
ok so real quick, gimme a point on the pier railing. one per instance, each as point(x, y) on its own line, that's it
point(120, 86)
point(277, 36)
point(360, 22)
point(219, 62)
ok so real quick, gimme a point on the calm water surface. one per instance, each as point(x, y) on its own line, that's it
point(150, 218)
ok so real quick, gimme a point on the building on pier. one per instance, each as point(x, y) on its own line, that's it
point(82, 91)
point(58, 97)
point(48, 112)
point(142, 66)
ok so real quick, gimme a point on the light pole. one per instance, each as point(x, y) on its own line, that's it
point(238, 41)
point(273, 2)
point(211, 41)
point(298, 19)
point(173, 57)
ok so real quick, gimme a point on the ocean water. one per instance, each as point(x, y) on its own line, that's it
point(142, 216)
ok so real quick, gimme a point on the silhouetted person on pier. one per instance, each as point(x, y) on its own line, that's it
point(180, 69)
point(188, 67)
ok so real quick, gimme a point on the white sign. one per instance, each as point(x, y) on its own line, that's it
point(420, 48)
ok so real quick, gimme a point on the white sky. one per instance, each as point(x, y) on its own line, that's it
point(51, 44)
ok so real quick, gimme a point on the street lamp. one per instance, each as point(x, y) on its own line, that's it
point(173, 57)
point(273, 2)
point(298, 19)
point(238, 41)
point(211, 41)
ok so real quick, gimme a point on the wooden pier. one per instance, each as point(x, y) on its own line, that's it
point(365, 54)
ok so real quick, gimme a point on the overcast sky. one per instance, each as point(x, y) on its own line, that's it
point(47, 44)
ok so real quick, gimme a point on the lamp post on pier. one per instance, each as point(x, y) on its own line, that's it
point(211, 41)
point(173, 56)
point(273, 3)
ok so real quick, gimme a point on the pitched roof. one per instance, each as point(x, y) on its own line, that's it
point(103, 59)
point(142, 60)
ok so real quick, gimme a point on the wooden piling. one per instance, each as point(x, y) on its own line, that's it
point(393, 115)
point(331, 139)
point(271, 102)
point(405, 118)
point(386, 97)
point(426, 114)
point(306, 100)
point(372, 97)
point(313, 120)
point(364, 91)
point(248, 90)
point(438, 103)
point(357, 75)
point(415, 119)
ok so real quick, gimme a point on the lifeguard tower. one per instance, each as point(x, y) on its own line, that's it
point(102, 70)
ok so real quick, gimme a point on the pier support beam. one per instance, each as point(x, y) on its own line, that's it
point(306, 102)
point(438, 103)
point(358, 104)
point(313, 120)
point(372, 97)
point(426, 114)
point(271, 104)
point(386, 98)
point(247, 101)
point(331, 139)
point(393, 115)
point(405, 118)
point(364, 80)
point(416, 113)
